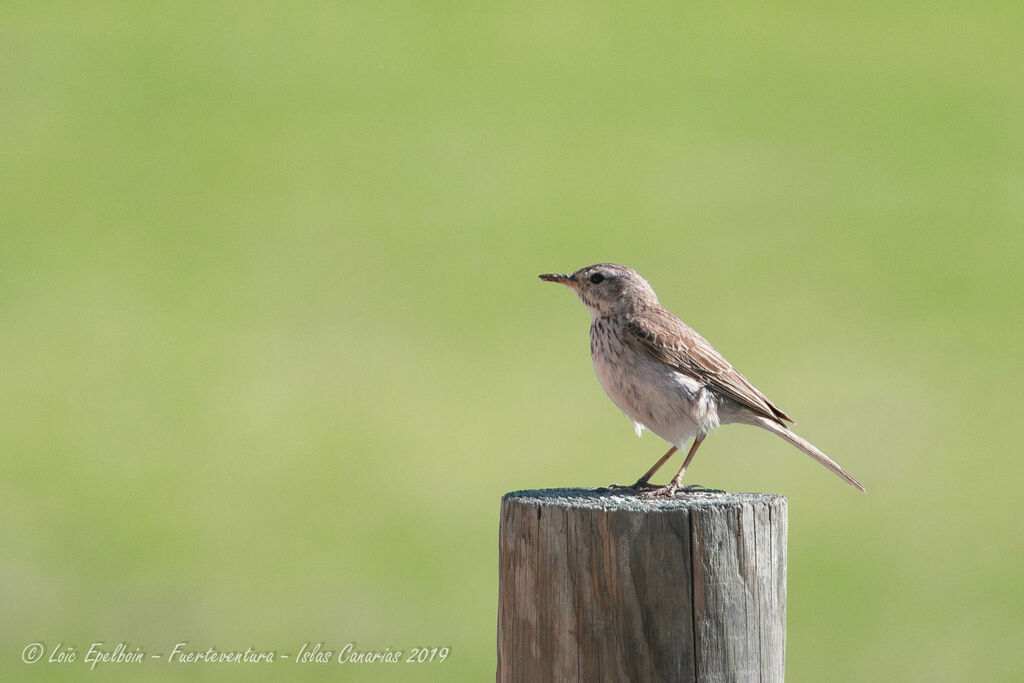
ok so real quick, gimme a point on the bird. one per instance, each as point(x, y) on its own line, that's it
point(665, 377)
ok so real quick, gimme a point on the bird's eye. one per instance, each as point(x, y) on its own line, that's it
point(597, 278)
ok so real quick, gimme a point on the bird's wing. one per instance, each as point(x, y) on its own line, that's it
point(673, 342)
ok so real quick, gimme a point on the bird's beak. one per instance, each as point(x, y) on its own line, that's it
point(567, 280)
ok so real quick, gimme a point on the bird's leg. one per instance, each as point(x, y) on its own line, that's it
point(677, 481)
point(641, 483)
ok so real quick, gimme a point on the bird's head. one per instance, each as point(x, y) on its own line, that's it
point(608, 289)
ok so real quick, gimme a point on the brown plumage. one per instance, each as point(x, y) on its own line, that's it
point(667, 338)
point(664, 375)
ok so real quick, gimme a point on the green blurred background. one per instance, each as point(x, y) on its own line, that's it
point(272, 343)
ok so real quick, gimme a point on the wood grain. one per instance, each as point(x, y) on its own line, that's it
point(600, 585)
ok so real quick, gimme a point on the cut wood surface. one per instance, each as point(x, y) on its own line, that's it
point(602, 585)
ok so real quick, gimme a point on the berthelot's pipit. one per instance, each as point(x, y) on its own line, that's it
point(664, 376)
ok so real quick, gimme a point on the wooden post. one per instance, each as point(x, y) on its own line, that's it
point(602, 585)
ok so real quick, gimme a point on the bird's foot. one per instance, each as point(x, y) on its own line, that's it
point(640, 485)
point(661, 492)
point(669, 490)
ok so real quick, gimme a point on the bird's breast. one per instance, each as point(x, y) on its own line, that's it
point(671, 404)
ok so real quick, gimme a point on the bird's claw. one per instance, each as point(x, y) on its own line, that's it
point(669, 490)
point(661, 492)
point(638, 486)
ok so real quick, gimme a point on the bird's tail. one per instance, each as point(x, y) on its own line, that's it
point(808, 448)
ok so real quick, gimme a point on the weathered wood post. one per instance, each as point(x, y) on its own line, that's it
point(601, 585)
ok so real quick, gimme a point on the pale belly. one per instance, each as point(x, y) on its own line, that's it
point(674, 406)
